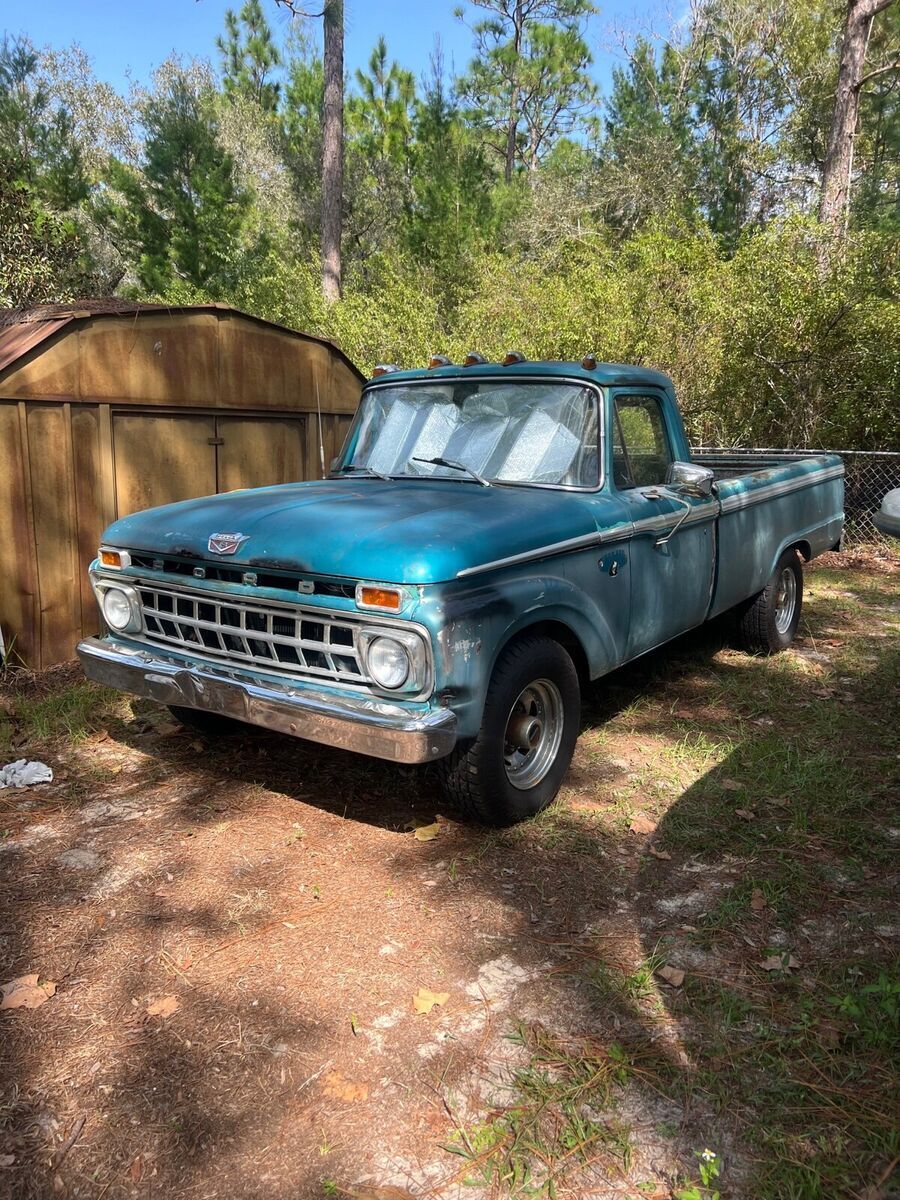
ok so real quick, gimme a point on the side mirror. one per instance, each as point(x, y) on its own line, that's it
point(690, 479)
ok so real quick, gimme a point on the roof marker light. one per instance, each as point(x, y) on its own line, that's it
point(512, 357)
point(439, 360)
point(474, 359)
point(589, 362)
point(384, 369)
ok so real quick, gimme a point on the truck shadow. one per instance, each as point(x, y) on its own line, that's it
point(348, 785)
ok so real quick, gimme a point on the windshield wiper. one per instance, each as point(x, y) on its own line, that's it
point(364, 471)
point(456, 466)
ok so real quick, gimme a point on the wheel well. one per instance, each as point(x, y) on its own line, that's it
point(805, 550)
point(561, 633)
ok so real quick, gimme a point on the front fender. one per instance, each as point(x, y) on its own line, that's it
point(471, 623)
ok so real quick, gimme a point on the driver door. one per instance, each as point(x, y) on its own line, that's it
point(671, 581)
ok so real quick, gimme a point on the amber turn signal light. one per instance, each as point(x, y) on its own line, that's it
point(110, 558)
point(383, 598)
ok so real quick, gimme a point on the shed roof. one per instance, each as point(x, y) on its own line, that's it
point(21, 329)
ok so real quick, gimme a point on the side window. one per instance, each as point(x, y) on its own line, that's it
point(641, 451)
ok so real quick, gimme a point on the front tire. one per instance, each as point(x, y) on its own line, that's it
point(515, 765)
point(768, 622)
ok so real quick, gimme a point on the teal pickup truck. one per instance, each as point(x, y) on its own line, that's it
point(492, 537)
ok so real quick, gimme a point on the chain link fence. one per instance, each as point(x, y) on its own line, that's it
point(869, 476)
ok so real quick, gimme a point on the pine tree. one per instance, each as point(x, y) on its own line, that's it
point(648, 153)
point(181, 215)
point(249, 56)
point(528, 82)
point(450, 212)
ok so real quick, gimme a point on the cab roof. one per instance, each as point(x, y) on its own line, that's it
point(605, 374)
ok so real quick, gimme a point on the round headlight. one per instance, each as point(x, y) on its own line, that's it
point(388, 662)
point(117, 608)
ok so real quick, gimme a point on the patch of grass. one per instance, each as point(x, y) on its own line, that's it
point(613, 984)
point(73, 712)
point(557, 1122)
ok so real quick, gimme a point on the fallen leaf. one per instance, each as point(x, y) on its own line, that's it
point(163, 1007)
point(7, 1160)
point(642, 824)
point(424, 1000)
point(672, 975)
point(757, 900)
point(340, 1088)
point(26, 992)
point(730, 785)
point(136, 1170)
point(167, 729)
point(779, 962)
point(663, 855)
point(746, 814)
point(354, 1024)
point(426, 833)
point(198, 746)
point(828, 1034)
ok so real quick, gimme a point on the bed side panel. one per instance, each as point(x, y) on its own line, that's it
point(767, 511)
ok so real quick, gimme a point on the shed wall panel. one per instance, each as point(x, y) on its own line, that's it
point(49, 370)
point(88, 505)
point(18, 590)
point(151, 359)
point(55, 534)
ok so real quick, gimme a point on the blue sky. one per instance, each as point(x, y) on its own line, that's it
point(131, 37)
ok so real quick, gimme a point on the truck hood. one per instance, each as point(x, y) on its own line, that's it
point(404, 531)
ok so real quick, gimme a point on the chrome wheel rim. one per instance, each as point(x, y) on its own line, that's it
point(534, 730)
point(785, 600)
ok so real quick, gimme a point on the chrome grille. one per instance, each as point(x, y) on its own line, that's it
point(298, 641)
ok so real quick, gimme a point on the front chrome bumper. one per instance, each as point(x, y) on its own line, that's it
point(365, 724)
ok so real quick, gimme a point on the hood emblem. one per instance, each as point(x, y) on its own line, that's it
point(226, 543)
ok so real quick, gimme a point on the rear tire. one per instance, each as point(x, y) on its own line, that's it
point(516, 763)
point(210, 723)
point(768, 622)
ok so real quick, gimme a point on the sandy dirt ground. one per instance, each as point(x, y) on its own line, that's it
point(242, 933)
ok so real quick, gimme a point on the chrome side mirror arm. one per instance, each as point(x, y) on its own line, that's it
point(688, 509)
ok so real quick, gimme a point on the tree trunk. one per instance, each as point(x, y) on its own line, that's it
point(513, 126)
point(838, 169)
point(332, 148)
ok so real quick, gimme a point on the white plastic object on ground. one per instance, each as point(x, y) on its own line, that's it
point(23, 773)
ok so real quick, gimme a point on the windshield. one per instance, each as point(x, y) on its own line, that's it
point(507, 432)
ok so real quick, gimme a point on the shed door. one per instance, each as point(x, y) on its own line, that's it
point(256, 452)
point(161, 459)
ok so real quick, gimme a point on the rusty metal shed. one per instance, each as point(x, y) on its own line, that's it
point(107, 407)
